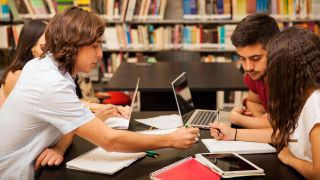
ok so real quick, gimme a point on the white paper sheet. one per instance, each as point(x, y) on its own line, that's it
point(117, 123)
point(163, 122)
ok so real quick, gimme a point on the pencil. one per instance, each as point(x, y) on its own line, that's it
point(218, 117)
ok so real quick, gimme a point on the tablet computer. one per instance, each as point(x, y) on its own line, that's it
point(229, 165)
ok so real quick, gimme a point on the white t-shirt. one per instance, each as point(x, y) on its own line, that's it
point(310, 116)
point(41, 108)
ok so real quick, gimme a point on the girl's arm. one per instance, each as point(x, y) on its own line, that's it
point(309, 170)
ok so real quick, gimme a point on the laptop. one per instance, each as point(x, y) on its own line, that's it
point(134, 97)
point(190, 116)
point(122, 123)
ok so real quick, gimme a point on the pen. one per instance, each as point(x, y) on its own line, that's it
point(218, 117)
point(152, 152)
point(243, 109)
point(152, 155)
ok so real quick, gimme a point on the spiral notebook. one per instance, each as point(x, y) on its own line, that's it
point(239, 147)
point(100, 161)
point(188, 168)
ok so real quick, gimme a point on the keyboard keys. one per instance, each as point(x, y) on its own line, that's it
point(204, 117)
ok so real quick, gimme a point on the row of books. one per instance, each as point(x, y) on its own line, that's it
point(221, 9)
point(9, 35)
point(146, 10)
point(4, 10)
point(206, 9)
point(42, 8)
point(142, 10)
point(125, 10)
point(312, 26)
point(295, 9)
point(110, 9)
point(122, 37)
point(196, 37)
point(148, 37)
point(116, 10)
point(279, 9)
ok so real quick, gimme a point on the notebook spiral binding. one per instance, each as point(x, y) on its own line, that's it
point(170, 166)
point(84, 154)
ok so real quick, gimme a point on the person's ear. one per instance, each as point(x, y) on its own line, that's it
point(33, 51)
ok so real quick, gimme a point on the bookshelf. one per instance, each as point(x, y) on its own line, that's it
point(150, 26)
point(136, 30)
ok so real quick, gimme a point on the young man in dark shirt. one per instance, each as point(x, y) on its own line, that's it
point(250, 39)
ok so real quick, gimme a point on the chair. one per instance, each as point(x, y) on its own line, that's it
point(85, 91)
point(115, 98)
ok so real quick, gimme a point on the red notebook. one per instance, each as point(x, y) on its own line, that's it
point(187, 168)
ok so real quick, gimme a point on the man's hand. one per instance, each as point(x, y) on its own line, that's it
point(49, 157)
point(183, 137)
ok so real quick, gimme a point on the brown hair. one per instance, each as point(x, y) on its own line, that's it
point(293, 68)
point(253, 29)
point(69, 30)
point(29, 36)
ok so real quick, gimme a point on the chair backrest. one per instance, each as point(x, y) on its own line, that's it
point(177, 56)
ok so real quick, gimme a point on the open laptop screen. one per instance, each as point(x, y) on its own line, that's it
point(134, 97)
point(183, 95)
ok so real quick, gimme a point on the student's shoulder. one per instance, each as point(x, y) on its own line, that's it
point(314, 98)
point(45, 71)
point(10, 81)
point(312, 105)
point(12, 76)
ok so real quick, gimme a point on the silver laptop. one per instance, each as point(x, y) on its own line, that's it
point(134, 97)
point(192, 117)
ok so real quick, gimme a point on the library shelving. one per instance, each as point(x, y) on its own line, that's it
point(137, 30)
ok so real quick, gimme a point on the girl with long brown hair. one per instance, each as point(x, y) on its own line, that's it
point(294, 101)
point(29, 46)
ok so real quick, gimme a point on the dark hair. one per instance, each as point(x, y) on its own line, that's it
point(293, 67)
point(29, 36)
point(253, 29)
point(69, 30)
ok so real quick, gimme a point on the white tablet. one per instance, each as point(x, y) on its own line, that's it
point(229, 165)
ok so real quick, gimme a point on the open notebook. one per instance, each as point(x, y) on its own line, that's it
point(100, 161)
point(240, 147)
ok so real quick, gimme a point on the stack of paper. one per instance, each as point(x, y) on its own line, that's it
point(100, 161)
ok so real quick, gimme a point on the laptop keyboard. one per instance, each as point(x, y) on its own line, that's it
point(204, 117)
